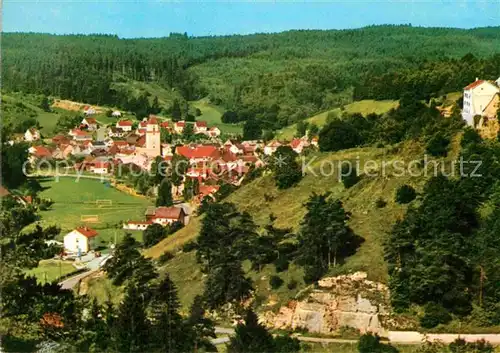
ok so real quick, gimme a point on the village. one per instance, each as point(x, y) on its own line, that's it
point(104, 150)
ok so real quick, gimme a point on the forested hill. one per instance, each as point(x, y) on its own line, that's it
point(277, 78)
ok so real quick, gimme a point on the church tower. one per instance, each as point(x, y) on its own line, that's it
point(153, 140)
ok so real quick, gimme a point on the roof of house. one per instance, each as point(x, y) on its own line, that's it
point(152, 120)
point(214, 128)
point(124, 123)
point(164, 124)
point(197, 152)
point(120, 143)
point(90, 120)
point(42, 151)
point(474, 84)
point(3, 191)
point(200, 124)
point(141, 141)
point(180, 123)
point(208, 189)
point(168, 212)
point(86, 231)
point(296, 143)
point(101, 164)
point(78, 132)
point(228, 156)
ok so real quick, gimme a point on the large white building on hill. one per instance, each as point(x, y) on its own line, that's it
point(477, 97)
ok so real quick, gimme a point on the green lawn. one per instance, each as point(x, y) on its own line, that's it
point(364, 107)
point(51, 270)
point(212, 115)
point(72, 199)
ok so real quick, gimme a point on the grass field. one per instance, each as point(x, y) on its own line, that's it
point(51, 270)
point(73, 199)
point(364, 107)
point(212, 115)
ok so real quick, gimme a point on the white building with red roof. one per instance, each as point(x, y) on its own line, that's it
point(477, 96)
point(213, 132)
point(79, 241)
point(90, 123)
point(271, 147)
point(150, 143)
point(179, 127)
point(166, 215)
point(124, 125)
point(200, 127)
point(199, 153)
point(32, 134)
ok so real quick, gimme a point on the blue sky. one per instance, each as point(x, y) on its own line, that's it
point(158, 18)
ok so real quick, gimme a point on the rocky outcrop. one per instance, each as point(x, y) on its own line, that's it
point(344, 301)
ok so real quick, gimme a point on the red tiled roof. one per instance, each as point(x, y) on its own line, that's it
point(101, 164)
point(41, 151)
point(91, 120)
point(474, 84)
point(152, 120)
point(86, 231)
point(228, 156)
point(200, 124)
point(208, 189)
point(124, 123)
point(180, 123)
point(168, 212)
point(120, 143)
point(79, 132)
point(141, 141)
point(295, 143)
point(3, 191)
point(164, 124)
point(197, 152)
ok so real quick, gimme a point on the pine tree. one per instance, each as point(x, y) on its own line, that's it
point(202, 328)
point(324, 235)
point(45, 105)
point(286, 169)
point(169, 334)
point(251, 337)
point(165, 194)
point(176, 111)
point(131, 326)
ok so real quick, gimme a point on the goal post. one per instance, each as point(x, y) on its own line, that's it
point(89, 218)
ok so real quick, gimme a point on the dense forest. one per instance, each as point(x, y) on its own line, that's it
point(276, 78)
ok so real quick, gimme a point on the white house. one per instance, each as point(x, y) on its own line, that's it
point(91, 123)
point(137, 225)
point(116, 113)
point(213, 132)
point(179, 127)
point(32, 135)
point(200, 127)
point(79, 240)
point(271, 147)
point(477, 96)
point(89, 111)
point(124, 125)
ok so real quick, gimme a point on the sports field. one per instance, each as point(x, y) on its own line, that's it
point(74, 199)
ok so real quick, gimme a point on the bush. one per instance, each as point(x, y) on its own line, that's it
point(189, 246)
point(405, 194)
point(292, 284)
point(281, 264)
point(275, 282)
point(349, 176)
point(434, 315)
point(380, 203)
point(460, 346)
point(438, 145)
point(165, 257)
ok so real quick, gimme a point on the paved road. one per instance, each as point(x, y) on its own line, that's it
point(398, 337)
point(72, 281)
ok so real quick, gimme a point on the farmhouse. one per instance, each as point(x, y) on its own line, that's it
point(124, 125)
point(79, 240)
point(166, 215)
point(198, 154)
point(200, 127)
point(477, 96)
point(90, 123)
point(137, 225)
point(32, 135)
point(179, 127)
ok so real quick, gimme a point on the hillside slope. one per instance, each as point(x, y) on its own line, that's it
point(367, 220)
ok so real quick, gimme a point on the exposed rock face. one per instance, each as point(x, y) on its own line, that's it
point(343, 301)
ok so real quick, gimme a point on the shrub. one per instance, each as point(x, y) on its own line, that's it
point(438, 145)
point(460, 346)
point(189, 246)
point(434, 315)
point(380, 203)
point(292, 284)
point(165, 257)
point(405, 194)
point(349, 176)
point(275, 282)
point(281, 264)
